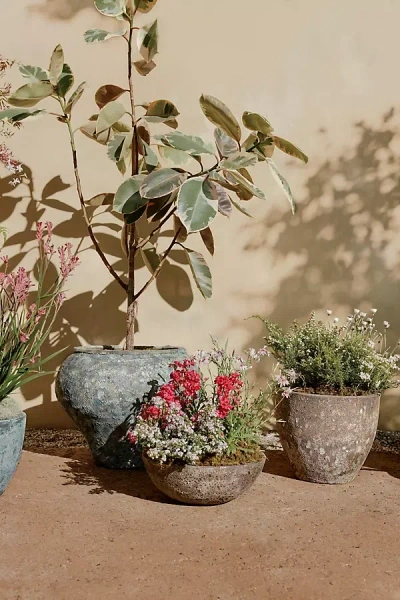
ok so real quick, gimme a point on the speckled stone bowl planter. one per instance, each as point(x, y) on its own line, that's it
point(12, 432)
point(327, 438)
point(204, 486)
point(102, 389)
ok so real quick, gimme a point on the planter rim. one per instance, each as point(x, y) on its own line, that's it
point(203, 467)
point(18, 417)
point(111, 349)
point(365, 396)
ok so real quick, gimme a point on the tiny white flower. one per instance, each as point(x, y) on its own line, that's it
point(329, 312)
point(336, 320)
point(356, 311)
point(363, 314)
point(374, 310)
point(386, 324)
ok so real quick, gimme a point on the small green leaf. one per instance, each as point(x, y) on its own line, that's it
point(74, 99)
point(108, 93)
point(56, 65)
point(248, 185)
point(33, 74)
point(100, 35)
point(110, 114)
point(220, 115)
point(15, 115)
point(30, 94)
point(216, 176)
point(174, 157)
point(150, 157)
point(143, 67)
point(196, 209)
point(189, 143)
point(239, 160)
point(65, 82)
point(256, 122)
point(208, 239)
point(217, 192)
point(135, 216)
point(162, 108)
point(250, 141)
point(157, 206)
point(145, 6)
point(225, 144)
point(201, 272)
point(110, 8)
point(101, 200)
point(127, 198)
point(150, 257)
point(162, 182)
point(282, 183)
point(241, 208)
point(89, 129)
point(289, 148)
point(179, 227)
point(147, 41)
point(115, 146)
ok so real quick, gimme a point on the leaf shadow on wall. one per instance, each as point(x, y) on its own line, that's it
point(92, 318)
point(342, 248)
point(61, 9)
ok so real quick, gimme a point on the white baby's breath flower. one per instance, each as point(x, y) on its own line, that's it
point(336, 320)
point(386, 324)
point(374, 310)
point(356, 311)
point(329, 312)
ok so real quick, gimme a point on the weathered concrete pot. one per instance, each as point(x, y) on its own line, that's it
point(203, 485)
point(12, 433)
point(102, 389)
point(327, 438)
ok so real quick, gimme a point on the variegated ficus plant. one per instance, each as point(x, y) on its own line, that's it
point(173, 177)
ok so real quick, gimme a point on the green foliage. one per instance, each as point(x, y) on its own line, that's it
point(173, 174)
point(331, 358)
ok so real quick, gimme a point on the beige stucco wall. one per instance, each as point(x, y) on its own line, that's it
point(325, 74)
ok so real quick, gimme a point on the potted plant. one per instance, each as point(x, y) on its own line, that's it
point(26, 318)
point(329, 387)
point(171, 180)
point(200, 434)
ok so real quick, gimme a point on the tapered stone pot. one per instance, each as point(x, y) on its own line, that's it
point(102, 389)
point(12, 433)
point(327, 438)
point(205, 486)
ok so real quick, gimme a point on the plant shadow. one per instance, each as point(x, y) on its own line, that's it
point(278, 464)
point(387, 462)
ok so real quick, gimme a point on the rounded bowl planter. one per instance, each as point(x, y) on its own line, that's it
point(327, 438)
point(102, 389)
point(12, 433)
point(203, 485)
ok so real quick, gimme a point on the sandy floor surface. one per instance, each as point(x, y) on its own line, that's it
point(70, 530)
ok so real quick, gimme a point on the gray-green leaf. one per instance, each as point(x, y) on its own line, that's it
point(220, 115)
point(282, 183)
point(65, 82)
point(151, 158)
point(256, 122)
point(145, 6)
point(30, 94)
point(15, 115)
point(241, 208)
point(201, 272)
point(290, 148)
point(217, 192)
point(56, 65)
point(74, 99)
point(176, 158)
point(110, 8)
point(248, 185)
point(127, 198)
point(189, 143)
point(196, 209)
point(239, 160)
point(110, 114)
point(33, 74)
point(161, 183)
point(225, 144)
point(147, 41)
point(100, 35)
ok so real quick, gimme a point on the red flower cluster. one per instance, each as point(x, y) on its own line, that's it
point(150, 412)
point(228, 388)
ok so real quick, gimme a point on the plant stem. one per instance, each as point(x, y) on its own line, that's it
point(83, 206)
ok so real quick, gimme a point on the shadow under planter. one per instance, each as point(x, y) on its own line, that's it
point(102, 389)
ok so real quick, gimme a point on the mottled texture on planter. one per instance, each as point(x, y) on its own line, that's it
point(12, 433)
point(102, 389)
point(327, 438)
point(203, 485)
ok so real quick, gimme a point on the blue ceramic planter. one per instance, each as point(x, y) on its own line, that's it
point(12, 432)
point(102, 389)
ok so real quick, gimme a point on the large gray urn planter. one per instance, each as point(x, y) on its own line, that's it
point(102, 389)
point(206, 486)
point(327, 438)
point(12, 433)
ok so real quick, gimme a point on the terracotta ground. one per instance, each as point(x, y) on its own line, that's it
point(69, 530)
